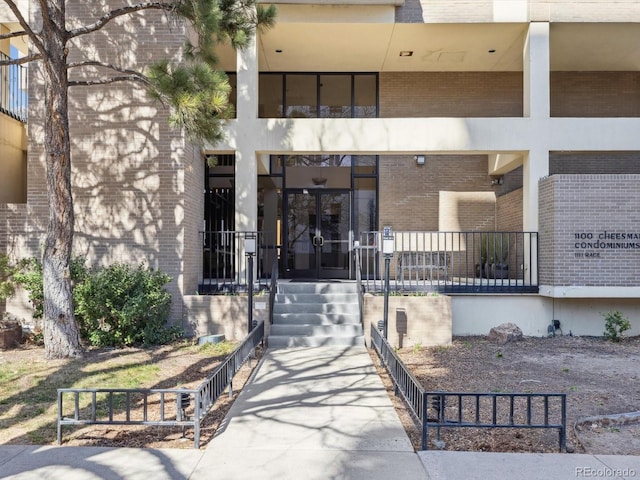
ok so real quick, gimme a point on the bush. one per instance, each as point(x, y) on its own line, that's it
point(29, 277)
point(615, 325)
point(7, 277)
point(120, 306)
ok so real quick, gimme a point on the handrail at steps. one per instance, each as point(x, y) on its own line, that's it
point(176, 407)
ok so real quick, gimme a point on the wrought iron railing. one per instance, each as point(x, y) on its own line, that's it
point(224, 261)
point(163, 407)
point(471, 409)
point(453, 262)
point(13, 90)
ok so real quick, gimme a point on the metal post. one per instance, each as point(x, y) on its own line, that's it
point(387, 263)
point(388, 246)
point(250, 251)
point(250, 293)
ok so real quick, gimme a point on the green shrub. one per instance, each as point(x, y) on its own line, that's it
point(29, 277)
point(615, 325)
point(7, 277)
point(120, 306)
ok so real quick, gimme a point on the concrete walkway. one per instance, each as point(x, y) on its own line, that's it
point(313, 413)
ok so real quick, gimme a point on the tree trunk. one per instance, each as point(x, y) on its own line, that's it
point(61, 337)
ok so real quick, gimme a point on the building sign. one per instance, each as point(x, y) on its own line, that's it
point(599, 242)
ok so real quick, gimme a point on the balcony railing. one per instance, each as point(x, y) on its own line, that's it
point(224, 261)
point(453, 262)
point(13, 90)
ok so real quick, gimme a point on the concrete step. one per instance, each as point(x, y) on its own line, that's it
point(316, 298)
point(317, 307)
point(317, 330)
point(317, 287)
point(278, 341)
point(316, 318)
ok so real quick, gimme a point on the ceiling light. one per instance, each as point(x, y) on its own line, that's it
point(493, 50)
point(278, 50)
point(406, 53)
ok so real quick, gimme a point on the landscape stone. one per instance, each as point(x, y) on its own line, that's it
point(10, 334)
point(507, 332)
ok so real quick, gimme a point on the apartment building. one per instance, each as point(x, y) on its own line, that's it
point(497, 140)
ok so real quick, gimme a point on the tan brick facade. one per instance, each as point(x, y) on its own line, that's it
point(585, 223)
point(595, 94)
point(451, 94)
point(448, 192)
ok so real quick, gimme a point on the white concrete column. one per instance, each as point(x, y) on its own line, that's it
point(246, 172)
point(536, 79)
point(536, 71)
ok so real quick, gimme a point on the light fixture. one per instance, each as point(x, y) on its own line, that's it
point(493, 50)
point(419, 159)
point(278, 50)
point(497, 180)
point(406, 53)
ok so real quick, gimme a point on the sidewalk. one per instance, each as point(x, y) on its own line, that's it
point(314, 413)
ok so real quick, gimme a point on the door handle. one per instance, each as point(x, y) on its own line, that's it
point(318, 241)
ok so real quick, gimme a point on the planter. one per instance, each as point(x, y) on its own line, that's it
point(500, 271)
point(10, 335)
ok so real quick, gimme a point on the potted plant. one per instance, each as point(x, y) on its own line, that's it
point(494, 256)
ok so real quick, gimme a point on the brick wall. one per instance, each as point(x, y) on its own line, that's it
point(595, 94)
point(450, 94)
point(577, 206)
point(128, 165)
point(448, 192)
point(509, 212)
point(594, 162)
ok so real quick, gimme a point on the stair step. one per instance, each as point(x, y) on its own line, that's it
point(316, 308)
point(316, 298)
point(316, 318)
point(317, 287)
point(317, 330)
point(278, 341)
point(315, 314)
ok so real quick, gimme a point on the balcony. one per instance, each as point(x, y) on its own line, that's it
point(13, 90)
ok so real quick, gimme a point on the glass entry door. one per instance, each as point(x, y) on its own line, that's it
point(318, 233)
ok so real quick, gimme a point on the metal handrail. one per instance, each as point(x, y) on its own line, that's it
point(174, 404)
point(358, 268)
point(273, 287)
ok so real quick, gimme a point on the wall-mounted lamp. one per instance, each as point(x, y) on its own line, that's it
point(497, 180)
point(419, 159)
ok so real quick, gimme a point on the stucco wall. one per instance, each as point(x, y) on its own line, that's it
point(13, 142)
point(420, 320)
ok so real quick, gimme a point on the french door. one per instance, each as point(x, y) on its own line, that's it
point(318, 233)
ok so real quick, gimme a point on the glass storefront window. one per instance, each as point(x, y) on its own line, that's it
point(365, 95)
point(301, 96)
point(270, 96)
point(335, 96)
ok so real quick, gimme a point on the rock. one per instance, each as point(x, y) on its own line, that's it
point(507, 332)
point(10, 334)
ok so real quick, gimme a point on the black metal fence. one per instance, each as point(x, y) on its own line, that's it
point(224, 260)
point(163, 407)
point(453, 262)
point(13, 90)
point(479, 410)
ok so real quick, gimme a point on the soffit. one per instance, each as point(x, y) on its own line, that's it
point(373, 44)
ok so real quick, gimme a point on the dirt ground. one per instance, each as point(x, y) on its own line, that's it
point(599, 377)
point(179, 367)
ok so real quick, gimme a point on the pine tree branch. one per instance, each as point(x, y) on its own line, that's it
point(115, 68)
point(107, 81)
point(21, 61)
point(25, 25)
point(118, 12)
point(6, 36)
